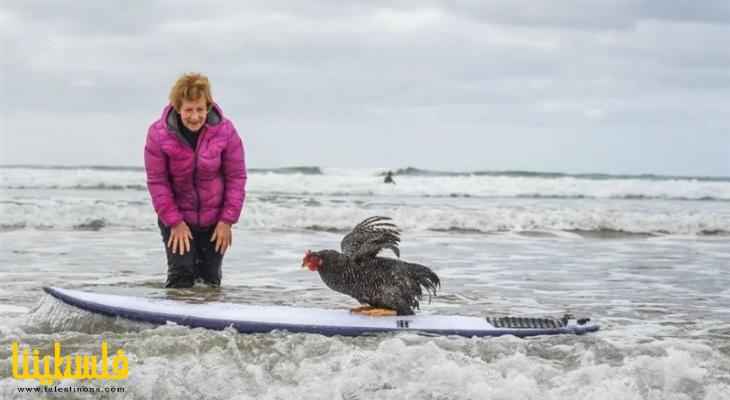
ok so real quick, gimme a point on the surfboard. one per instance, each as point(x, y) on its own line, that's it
point(262, 319)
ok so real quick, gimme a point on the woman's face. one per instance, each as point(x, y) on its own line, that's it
point(193, 113)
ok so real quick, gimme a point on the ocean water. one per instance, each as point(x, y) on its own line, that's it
point(646, 257)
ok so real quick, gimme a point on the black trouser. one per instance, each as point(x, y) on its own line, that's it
point(201, 262)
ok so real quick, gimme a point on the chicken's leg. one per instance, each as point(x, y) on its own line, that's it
point(360, 310)
point(379, 312)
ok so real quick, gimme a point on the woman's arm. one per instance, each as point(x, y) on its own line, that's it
point(233, 166)
point(158, 183)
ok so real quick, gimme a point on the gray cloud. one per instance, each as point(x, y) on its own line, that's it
point(329, 77)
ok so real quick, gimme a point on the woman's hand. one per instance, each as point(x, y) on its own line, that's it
point(180, 237)
point(222, 237)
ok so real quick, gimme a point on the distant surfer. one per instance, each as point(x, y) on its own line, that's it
point(196, 176)
point(389, 178)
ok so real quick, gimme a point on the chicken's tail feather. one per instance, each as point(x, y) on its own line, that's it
point(426, 279)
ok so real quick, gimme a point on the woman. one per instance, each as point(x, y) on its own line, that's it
point(196, 176)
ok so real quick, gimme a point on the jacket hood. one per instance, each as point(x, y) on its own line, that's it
point(169, 117)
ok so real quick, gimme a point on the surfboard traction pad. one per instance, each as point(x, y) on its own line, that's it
point(533, 323)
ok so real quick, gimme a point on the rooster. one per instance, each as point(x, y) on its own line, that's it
point(385, 286)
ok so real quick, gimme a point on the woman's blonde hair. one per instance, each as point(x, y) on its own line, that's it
point(190, 87)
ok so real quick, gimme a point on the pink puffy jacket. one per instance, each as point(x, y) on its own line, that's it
point(201, 186)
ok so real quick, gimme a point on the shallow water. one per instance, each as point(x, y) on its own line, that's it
point(661, 298)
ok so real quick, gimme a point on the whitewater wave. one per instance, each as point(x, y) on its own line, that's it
point(280, 187)
point(537, 196)
point(96, 186)
point(332, 200)
point(288, 170)
point(412, 171)
point(599, 219)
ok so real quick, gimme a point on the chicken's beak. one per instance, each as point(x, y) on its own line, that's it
point(304, 264)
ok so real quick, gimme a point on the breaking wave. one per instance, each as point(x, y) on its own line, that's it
point(412, 171)
point(332, 200)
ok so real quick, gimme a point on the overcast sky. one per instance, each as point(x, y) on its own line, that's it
point(615, 86)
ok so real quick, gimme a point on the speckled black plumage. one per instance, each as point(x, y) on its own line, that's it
point(380, 282)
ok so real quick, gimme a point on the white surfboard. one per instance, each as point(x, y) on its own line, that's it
point(261, 319)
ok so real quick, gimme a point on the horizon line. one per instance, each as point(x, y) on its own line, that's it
point(464, 172)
